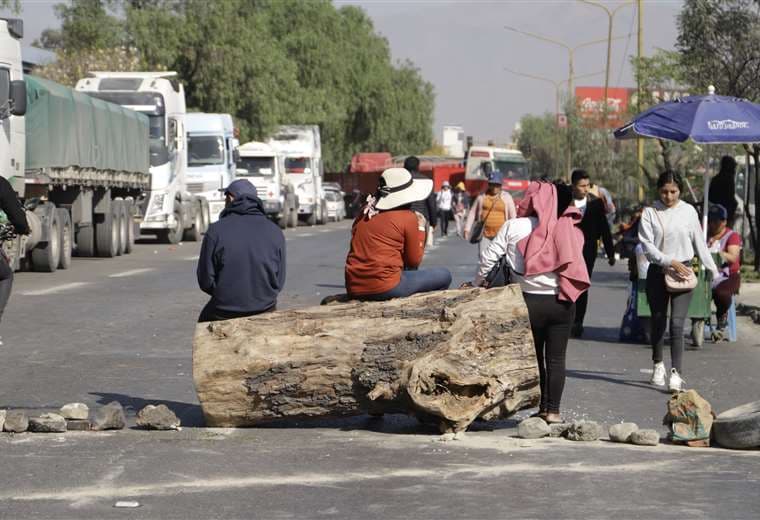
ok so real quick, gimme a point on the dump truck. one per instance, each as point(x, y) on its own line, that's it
point(79, 165)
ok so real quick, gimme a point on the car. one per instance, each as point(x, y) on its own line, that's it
point(336, 208)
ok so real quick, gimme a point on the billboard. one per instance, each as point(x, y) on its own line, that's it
point(590, 104)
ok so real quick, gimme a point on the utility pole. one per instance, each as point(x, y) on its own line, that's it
point(639, 140)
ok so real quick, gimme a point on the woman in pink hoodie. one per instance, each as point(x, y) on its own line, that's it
point(544, 250)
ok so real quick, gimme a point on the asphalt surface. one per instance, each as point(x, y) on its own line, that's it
point(121, 329)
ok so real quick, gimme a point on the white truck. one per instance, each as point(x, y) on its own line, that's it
point(171, 212)
point(78, 165)
point(263, 167)
point(301, 149)
point(212, 151)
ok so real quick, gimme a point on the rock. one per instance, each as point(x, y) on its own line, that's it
point(15, 421)
point(157, 418)
point(558, 429)
point(584, 431)
point(75, 411)
point(533, 428)
point(109, 417)
point(645, 438)
point(47, 423)
point(622, 432)
point(2, 419)
point(77, 425)
point(446, 437)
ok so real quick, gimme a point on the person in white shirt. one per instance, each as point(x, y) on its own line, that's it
point(670, 235)
point(443, 201)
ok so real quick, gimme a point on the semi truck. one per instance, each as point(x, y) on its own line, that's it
point(79, 165)
point(170, 211)
point(211, 156)
point(301, 149)
point(263, 167)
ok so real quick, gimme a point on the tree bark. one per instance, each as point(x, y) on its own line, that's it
point(450, 357)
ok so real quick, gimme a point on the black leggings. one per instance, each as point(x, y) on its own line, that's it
point(658, 298)
point(6, 283)
point(550, 322)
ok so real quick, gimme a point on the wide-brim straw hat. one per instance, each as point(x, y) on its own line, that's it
point(398, 188)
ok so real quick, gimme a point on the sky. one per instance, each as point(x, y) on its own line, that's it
point(462, 48)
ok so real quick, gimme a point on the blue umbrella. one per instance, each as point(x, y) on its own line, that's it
point(704, 119)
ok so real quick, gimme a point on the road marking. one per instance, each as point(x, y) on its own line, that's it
point(304, 235)
point(191, 258)
point(55, 289)
point(133, 272)
point(646, 371)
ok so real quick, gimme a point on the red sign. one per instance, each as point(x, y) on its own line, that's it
point(590, 102)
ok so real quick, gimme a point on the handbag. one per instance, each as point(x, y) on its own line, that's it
point(479, 227)
point(500, 274)
point(674, 282)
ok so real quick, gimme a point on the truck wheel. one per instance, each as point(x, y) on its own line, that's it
point(107, 233)
point(312, 218)
point(121, 213)
point(173, 236)
point(195, 233)
point(293, 217)
point(86, 241)
point(739, 427)
point(45, 258)
point(130, 218)
point(322, 218)
point(206, 216)
point(67, 238)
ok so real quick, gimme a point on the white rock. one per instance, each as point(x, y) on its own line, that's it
point(78, 411)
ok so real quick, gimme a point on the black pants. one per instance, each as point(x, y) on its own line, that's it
point(211, 313)
point(658, 298)
point(6, 283)
point(582, 303)
point(445, 216)
point(550, 322)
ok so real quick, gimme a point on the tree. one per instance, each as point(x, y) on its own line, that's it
point(86, 24)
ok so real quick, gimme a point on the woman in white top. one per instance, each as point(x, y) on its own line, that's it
point(670, 234)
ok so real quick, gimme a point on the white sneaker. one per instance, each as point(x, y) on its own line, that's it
point(675, 383)
point(658, 374)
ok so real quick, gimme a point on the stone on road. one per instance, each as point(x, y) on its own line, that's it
point(645, 438)
point(584, 431)
point(15, 421)
point(533, 428)
point(622, 432)
point(75, 411)
point(109, 417)
point(157, 418)
point(47, 423)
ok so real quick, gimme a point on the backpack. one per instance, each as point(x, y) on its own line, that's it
point(690, 418)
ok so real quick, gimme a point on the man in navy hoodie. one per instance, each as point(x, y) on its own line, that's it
point(242, 260)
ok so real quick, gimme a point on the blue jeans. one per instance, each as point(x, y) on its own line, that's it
point(413, 282)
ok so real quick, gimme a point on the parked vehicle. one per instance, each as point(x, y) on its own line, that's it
point(336, 207)
point(265, 169)
point(301, 149)
point(212, 151)
point(509, 162)
point(170, 211)
point(79, 165)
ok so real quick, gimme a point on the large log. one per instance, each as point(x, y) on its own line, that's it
point(451, 356)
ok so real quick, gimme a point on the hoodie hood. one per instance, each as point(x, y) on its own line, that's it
point(245, 205)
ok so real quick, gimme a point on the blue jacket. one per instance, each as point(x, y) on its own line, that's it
point(242, 260)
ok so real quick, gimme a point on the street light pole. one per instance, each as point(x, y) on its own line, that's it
point(639, 140)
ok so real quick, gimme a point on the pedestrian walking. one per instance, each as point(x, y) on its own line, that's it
point(723, 188)
point(388, 243)
point(543, 248)
point(461, 203)
point(242, 259)
point(490, 210)
point(12, 222)
point(594, 226)
point(444, 201)
point(427, 206)
point(726, 244)
point(670, 234)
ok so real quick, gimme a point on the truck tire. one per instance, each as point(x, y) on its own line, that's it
point(311, 219)
point(86, 241)
point(107, 233)
point(293, 216)
point(322, 217)
point(131, 234)
point(46, 256)
point(173, 236)
point(739, 428)
point(67, 238)
point(206, 216)
point(121, 215)
point(195, 233)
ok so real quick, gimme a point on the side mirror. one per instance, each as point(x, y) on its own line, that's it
point(18, 97)
point(235, 155)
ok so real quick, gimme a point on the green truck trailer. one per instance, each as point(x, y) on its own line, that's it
point(82, 171)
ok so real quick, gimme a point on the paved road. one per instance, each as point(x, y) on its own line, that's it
point(121, 330)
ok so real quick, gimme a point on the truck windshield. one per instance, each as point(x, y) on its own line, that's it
point(297, 165)
point(512, 170)
point(256, 166)
point(149, 103)
point(203, 150)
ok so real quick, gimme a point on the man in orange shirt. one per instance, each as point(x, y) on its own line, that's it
point(493, 208)
point(388, 238)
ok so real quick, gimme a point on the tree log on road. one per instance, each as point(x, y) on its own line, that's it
point(451, 357)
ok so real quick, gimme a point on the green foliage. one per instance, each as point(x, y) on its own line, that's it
point(270, 62)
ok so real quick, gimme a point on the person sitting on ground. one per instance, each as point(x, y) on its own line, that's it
point(493, 208)
point(388, 243)
point(242, 259)
point(543, 247)
point(727, 244)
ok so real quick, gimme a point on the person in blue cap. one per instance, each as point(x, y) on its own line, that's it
point(242, 259)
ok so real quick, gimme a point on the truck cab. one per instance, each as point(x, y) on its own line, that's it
point(301, 149)
point(169, 210)
point(12, 141)
point(263, 167)
point(211, 155)
point(510, 163)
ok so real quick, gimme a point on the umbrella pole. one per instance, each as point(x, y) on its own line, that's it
point(706, 198)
